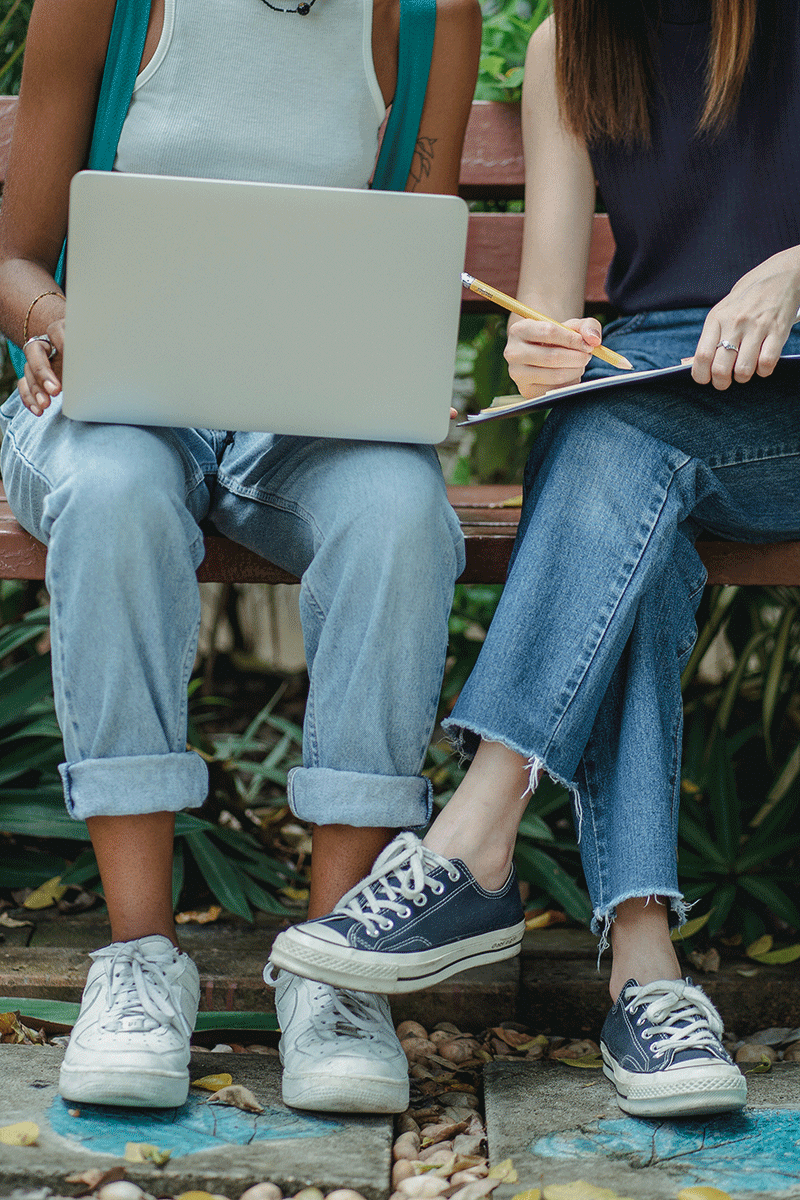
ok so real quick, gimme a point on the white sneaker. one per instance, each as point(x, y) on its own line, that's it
point(130, 1044)
point(339, 1050)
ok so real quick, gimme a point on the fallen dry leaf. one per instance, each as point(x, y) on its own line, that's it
point(513, 1038)
point(198, 917)
point(237, 1096)
point(591, 1061)
point(543, 920)
point(707, 962)
point(95, 1177)
point(45, 895)
point(442, 1133)
point(213, 1083)
point(14, 1033)
point(504, 1171)
point(530, 1194)
point(10, 923)
point(140, 1152)
point(24, 1133)
point(702, 1193)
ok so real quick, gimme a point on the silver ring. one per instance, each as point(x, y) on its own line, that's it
point(42, 337)
point(728, 346)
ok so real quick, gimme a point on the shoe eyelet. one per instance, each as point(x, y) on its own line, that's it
point(373, 933)
point(437, 888)
point(420, 901)
point(386, 924)
point(404, 913)
point(454, 876)
point(640, 1020)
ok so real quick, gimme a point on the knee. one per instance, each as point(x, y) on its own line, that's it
point(116, 503)
point(410, 520)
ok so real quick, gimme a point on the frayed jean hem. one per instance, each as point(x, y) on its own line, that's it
point(460, 734)
point(603, 918)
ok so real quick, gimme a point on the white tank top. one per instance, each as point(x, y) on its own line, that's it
point(237, 91)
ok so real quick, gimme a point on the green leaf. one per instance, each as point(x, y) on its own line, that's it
point(260, 898)
point(723, 800)
point(724, 898)
point(83, 870)
point(778, 957)
point(178, 874)
point(537, 867)
point(691, 927)
point(722, 599)
point(775, 670)
point(30, 757)
point(535, 828)
point(218, 872)
point(700, 841)
point(773, 897)
point(22, 685)
point(726, 705)
point(20, 868)
point(38, 819)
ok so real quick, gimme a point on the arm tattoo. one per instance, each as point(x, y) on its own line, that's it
point(421, 162)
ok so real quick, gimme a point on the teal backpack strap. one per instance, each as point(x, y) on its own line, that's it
point(417, 27)
point(125, 49)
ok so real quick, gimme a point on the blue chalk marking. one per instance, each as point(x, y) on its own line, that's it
point(196, 1126)
point(756, 1151)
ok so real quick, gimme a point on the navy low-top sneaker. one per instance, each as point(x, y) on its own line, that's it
point(661, 1048)
point(417, 919)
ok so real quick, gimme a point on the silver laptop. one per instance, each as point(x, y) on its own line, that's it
point(251, 306)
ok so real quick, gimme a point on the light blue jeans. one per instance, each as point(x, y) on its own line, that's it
point(367, 526)
point(580, 671)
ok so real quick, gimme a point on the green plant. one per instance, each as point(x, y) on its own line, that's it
point(13, 28)
point(507, 27)
point(234, 860)
point(739, 840)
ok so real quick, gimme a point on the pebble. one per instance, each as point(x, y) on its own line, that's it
point(751, 1052)
point(262, 1191)
point(120, 1189)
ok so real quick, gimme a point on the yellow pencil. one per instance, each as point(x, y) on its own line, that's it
point(522, 310)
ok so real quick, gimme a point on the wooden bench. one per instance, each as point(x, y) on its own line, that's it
point(491, 169)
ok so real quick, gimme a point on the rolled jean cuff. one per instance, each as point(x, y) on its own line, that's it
point(327, 797)
point(130, 786)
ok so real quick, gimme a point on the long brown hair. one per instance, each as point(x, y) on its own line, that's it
point(605, 75)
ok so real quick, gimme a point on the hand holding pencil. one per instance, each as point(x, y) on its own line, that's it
point(522, 310)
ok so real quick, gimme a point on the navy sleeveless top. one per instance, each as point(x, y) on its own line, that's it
point(692, 214)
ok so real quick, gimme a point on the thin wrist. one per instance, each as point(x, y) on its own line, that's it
point(42, 311)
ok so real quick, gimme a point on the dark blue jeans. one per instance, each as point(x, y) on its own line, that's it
point(580, 671)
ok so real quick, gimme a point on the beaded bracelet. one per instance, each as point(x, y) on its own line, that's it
point(31, 307)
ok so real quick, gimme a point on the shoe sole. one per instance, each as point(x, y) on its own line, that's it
point(134, 1089)
point(390, 974)
point(683, 1092)
point(354, 1095)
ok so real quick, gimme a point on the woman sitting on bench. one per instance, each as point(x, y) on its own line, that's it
point(687, 113)
point(281, 92)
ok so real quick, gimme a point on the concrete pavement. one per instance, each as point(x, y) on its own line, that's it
point(560, 1124)
point(217, 1149)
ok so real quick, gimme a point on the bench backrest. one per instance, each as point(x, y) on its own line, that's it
point(491, 169)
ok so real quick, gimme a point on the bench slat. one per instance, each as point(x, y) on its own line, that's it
point(489, 528)
point(492, 168)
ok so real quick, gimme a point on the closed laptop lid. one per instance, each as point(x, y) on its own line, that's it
point(252, 306)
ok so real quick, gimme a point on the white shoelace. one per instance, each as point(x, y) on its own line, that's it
point(681, 1013)
point(342, 1013)
point(139, 991)
point(410, 864)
